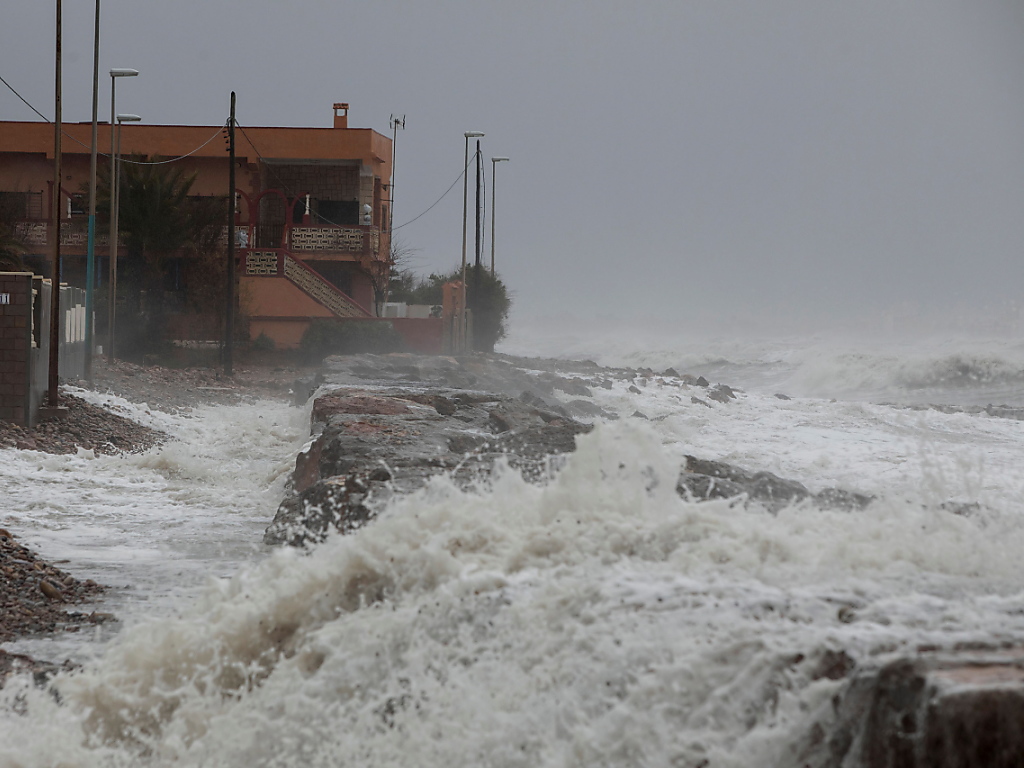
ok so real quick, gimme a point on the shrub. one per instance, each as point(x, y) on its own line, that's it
point(486, 295)
point(326, 337)
point(263, 343)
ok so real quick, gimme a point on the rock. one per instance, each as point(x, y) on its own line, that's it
point(781, 396)
point(705, 479)
point(575, 387)
point(702, 487)
point(338, 481)
point(719, 396)
point(726, 390)
point(51, 592)
point(837, 498)
point(671, 372)
point(940, 710)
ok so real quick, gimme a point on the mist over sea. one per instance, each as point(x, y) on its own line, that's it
point(904, 363)
point(597, 619)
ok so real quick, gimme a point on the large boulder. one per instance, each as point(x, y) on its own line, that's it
point(373, 443)
point(954, 709)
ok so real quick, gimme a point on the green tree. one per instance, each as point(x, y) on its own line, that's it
point(10, 250)
point(486, 295)
point(11, 245)
point(161, 226)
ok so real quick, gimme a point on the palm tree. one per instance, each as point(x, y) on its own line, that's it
point(159, 222)
point(11, 249)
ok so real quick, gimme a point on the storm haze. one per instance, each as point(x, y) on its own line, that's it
point(786, 162)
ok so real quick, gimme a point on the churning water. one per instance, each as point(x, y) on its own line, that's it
point(597, 619)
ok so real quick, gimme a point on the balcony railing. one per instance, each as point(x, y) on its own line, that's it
point(302, 240)
point(74, 233)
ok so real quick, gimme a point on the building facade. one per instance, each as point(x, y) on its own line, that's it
point(312, 212)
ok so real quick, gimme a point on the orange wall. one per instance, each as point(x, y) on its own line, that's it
point(372, 148)
point(26, 152)
point(277, 297)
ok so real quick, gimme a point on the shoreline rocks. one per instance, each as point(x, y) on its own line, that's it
point(385, 424)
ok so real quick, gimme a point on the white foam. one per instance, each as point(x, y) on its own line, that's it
point(597, 620)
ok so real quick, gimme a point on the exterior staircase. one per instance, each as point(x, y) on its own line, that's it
point(278, 262)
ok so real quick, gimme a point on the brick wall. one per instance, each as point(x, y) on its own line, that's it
point(15, 346)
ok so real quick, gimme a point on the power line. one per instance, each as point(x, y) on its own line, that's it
point(11, 87)
point(442, 197)
point(270, 166)
point(104, 154)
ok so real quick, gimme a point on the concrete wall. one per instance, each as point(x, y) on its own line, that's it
point(25, 343)
point(420, 335)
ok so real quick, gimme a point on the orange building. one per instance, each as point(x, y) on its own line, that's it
point(312, 209)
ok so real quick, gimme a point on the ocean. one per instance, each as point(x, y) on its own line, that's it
point(597, 619)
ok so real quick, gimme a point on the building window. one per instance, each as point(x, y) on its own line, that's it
point(342, 213)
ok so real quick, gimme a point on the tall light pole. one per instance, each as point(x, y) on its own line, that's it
point(112, 259)
point(465, 210)
point(90, 262)
point(114, 211)
point(112, 253)
point(494, 165)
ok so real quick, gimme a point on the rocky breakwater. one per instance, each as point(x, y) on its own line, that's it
point(374, 443)
point(384, 425)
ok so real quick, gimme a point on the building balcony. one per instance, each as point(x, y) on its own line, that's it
point(354, 242)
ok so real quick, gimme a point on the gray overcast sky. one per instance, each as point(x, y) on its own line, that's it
point(764, 158)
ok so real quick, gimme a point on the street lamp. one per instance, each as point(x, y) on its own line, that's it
point(112, 277)
point(114, 211)
point(494, 165)
point(465, 205)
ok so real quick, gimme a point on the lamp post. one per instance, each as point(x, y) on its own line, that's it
point(494, 165)
point(112, 267)
point(114, 211)
point(465, 206)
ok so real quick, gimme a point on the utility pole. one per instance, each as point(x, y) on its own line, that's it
point(391, 258)
point(396, 122)
point(90, 268)
point(478, 232)
point(229, 320)
point(474, 291)
point(54, 362)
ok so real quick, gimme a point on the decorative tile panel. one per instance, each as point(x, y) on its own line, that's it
point(74, 235)
point(327, 239)
point(36, 234)
point(32, 233)
point(261, 263)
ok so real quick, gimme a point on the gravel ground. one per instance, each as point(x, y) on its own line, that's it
point(35, 595)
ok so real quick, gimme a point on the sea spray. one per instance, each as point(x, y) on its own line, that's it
point(597, 619)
